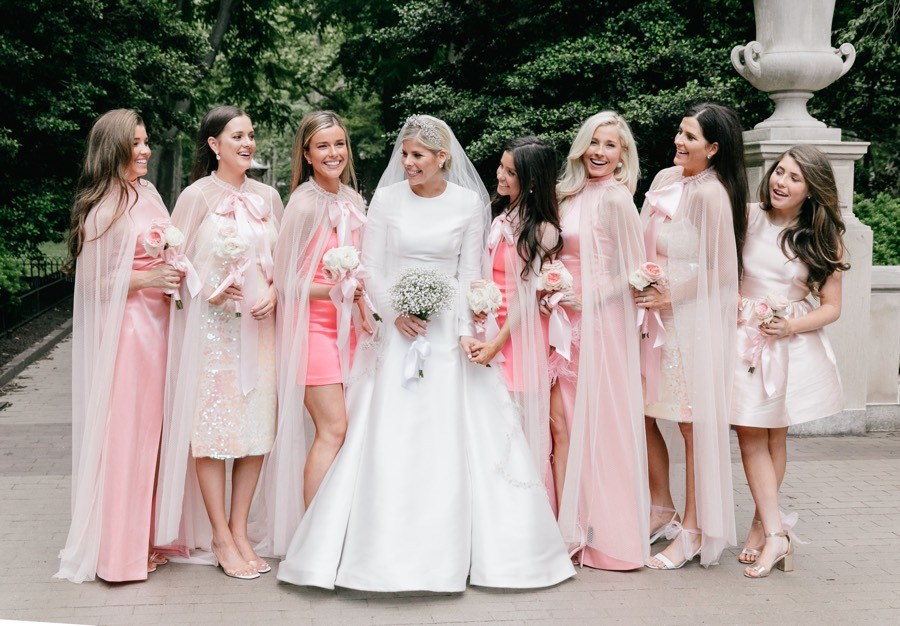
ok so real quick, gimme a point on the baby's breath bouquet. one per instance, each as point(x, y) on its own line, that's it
point(423, 293)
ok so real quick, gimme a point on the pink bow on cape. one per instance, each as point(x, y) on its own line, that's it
point(501, 228)
point(761, 355)
point(345, 218)
point(663, 204)
point(250, 214)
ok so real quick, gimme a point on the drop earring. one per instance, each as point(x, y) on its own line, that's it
point(218, 158)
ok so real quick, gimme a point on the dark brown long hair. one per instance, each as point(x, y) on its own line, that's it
point(110, 145)
point(212, 125)
point(536, 168)
point(721, 125)
point(815, 238)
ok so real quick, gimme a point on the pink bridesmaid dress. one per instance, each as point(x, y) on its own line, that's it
point(135, 422)
point(563, 372)
point(324, 360)
point(796, 379)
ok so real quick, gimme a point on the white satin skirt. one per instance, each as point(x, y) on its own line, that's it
point(434, 485)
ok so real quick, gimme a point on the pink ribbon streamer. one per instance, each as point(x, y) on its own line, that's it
point(191, 278)
point(345, 218)
point(488, 330)
point(342, 297)
point(663, 204)
point(761, 355)
point(560, 327)
point(250, 213)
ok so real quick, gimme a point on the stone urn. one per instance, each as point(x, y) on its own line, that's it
point(792, 57)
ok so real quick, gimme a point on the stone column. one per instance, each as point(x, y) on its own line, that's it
point(791, 58)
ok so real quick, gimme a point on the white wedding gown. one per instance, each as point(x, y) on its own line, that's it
point(434, 484)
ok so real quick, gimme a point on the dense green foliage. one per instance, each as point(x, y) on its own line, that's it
point(63, 63)
point(882, 213)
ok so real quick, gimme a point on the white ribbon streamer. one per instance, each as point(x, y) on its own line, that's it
point(414, 364)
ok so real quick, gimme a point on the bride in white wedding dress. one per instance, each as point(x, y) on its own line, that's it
point(435, 483)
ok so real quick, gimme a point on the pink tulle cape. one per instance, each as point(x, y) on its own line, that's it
point(703, 277)
point(301, 244)
point(181, 519)
point(102, 276)
point(606, 500)
point(530, 379)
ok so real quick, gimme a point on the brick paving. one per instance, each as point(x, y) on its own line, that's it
point(846, 489)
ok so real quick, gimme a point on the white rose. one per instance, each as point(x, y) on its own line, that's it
point(778, 303)
point(174, 237)
point(638, 280)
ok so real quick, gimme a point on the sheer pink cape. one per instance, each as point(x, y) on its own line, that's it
point(703, 277)
point(301, 243)
point(102, 276)
point(531, 381)
point(181, 519)
point(606, 499)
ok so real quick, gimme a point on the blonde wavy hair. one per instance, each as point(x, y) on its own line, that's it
point(431, 132)
point(574, 175)
point(311, 124)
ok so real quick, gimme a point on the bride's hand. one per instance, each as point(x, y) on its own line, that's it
point(467, 343)
point(410, 326)
point(483, 353)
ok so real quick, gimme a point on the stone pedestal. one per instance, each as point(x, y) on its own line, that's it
point(849, 335)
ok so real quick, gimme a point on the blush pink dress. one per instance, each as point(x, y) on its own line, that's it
point(135, 421)
point(324, 360)
point(796, 379)
point(563, 372)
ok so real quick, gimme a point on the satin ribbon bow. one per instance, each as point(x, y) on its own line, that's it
point(345, 218)
point(560, 327)
point(342, 297)
point(250, 213)
point(414, 364)
point(761, 354)
point(663, 203)
point(191, 278)
point(501, 228)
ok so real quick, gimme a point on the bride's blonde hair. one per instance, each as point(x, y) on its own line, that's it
point(431, 132)
point(574, 175)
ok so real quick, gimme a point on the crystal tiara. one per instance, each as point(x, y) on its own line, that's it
point(426, 128)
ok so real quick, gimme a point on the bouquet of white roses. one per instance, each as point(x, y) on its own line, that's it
point(161, 237)
point(231, 246)
point(556, 279)
point(649, 274)
point(423, 293)
point(484, 297)
point(341, 265)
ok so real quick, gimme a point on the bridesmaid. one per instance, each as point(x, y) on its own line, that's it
point(324, 212)
point(793, 249)
point(694, 223)
point(120, 328)
point(597, 393)
point(221, 402)
point(523, 236)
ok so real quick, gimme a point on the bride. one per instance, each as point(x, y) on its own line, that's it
point(435, 483)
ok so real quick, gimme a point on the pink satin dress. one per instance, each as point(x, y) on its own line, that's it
point(323, 365)
point(135, 422)
point(796, 379)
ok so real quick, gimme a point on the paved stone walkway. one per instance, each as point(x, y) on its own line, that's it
point(846, 489)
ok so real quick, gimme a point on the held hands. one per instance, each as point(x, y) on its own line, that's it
point(652, 298)
point(778, 328)
point(410, 326)
point(265, 306)
point(483, 353)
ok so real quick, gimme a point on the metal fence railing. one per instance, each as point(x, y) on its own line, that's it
point(46, 286)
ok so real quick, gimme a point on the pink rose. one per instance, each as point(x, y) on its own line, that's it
point(763, 312)
point(652, 271)
point(154, 239)
point(778, 304)
point(555, 277)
